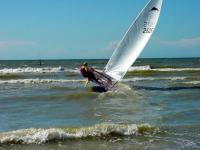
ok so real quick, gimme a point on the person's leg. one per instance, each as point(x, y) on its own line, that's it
point(93, 77)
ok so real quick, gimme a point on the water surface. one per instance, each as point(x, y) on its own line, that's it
point(156, 106)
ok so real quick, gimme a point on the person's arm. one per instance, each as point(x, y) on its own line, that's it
point(86, 82)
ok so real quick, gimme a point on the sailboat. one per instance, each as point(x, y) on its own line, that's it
point(131, 45)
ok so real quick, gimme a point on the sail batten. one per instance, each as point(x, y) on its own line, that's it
point(134, 40)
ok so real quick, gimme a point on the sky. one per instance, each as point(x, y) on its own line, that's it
point(90, 29)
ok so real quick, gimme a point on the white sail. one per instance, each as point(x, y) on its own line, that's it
point(134, 41)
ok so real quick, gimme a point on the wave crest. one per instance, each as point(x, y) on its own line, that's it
point(37, 81)
point(37, 70)
point(76, 70)
point(139, 68)
point(152, 79)
point(39, 136)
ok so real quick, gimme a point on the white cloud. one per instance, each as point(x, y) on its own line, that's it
point(16, 43)
point(111, 46)
point(188, 42)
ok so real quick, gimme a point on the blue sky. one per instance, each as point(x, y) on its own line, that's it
point(73, 29)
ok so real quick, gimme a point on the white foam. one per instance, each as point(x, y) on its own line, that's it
point(36, 81)
point(148, 68)
point(176, 69)
point(153, 78)
point(139, 68)
point(76, 70)
point(36, 70)
point(193, 82)
point(39, 136)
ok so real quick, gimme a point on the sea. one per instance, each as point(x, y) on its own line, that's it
point(44, 105)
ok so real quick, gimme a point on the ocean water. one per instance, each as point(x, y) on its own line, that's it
point(156, 106)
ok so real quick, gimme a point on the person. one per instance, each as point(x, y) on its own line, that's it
point(87, 73)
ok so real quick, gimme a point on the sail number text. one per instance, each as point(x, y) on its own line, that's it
point(148, 27)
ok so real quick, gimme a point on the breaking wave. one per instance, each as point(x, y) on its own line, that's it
point(176, 69)
point(37, 81)
point(149, 68)
point(192, 83)
point(76, 70)
point(153, 78)
point(139, 68)
point(40, 136)
point(37, 70)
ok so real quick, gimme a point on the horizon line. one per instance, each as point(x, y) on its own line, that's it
point(95, 58)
